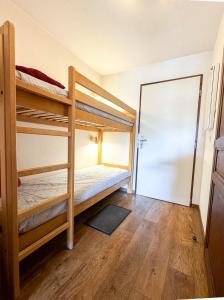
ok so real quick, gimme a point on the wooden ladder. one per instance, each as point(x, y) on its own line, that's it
point(9, 175)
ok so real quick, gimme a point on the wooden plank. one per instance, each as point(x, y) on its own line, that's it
point(32, 89)
point(71, 156)
point(80, 207)
point(113, 130)
point(8, 161)
point(37, 102)
point(116, 166)
point(131, 157)
point(81, 97)
point(27, 251)
point(100, 146)
point(85, 82)
point(41, 131)
point(86, 127)
point(42, 206)
point(33, 171)
point(29, 237)
point(86, 116)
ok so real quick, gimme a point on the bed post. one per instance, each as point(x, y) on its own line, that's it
point(8, 161)
point(100, 144)
point(71, 156)
point(131, 158)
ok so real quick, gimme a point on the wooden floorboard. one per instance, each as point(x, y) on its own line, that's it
point(150, 256)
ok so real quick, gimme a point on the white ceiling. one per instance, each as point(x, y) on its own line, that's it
point(116, 35)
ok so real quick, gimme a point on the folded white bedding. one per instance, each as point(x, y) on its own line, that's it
point(62, 92)
point(88, 182)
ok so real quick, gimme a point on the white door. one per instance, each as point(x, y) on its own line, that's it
point(168, 123)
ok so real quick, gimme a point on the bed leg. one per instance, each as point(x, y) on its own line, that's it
point(131, 158)
point(8, 180)
point(70, 245)
point(71, 157)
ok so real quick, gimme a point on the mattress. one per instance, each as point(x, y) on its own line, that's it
point(62, 92)
point(88, 182)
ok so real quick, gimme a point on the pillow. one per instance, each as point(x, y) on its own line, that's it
point(39, 75)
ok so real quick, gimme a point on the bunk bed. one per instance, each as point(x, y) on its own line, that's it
point(27, 225)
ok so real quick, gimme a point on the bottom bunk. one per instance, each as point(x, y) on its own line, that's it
point(91, 185)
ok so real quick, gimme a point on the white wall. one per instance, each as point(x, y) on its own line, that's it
point(35, 151)
point(36, 48)
point(126, 85)
point(210, 136)
point(114, 151)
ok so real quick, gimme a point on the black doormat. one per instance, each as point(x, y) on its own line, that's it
point(109, 218)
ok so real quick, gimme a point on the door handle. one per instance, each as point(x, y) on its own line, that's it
point(141, 141)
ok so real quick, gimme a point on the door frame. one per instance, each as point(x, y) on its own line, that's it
point(211, 193)
point(196, 130)
point(217, 129)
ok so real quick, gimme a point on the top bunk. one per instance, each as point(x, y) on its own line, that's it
point(39, 102)
point(36, 101)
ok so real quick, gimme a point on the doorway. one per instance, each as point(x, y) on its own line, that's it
point(168, 130)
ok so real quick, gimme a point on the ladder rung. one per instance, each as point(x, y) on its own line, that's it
point(27, 251)
point(39, 170)
point(45, 204)
point(40, 131)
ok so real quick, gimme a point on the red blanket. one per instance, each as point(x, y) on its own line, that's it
point(39, 75)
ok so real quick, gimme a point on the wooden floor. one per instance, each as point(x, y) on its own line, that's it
point(150, 256)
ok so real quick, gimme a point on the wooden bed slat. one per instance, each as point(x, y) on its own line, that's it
point(33, 171)
point(30, 249)
point(43, 121)
point(28, 88)
point(42, 206)
point(24, 111)
point(52, 122)
point(40, 131)
point(90, 85)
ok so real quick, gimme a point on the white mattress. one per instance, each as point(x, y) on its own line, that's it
point(88, 182)
point(56, 90)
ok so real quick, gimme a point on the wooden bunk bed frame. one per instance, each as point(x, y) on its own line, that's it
point(20, 101)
